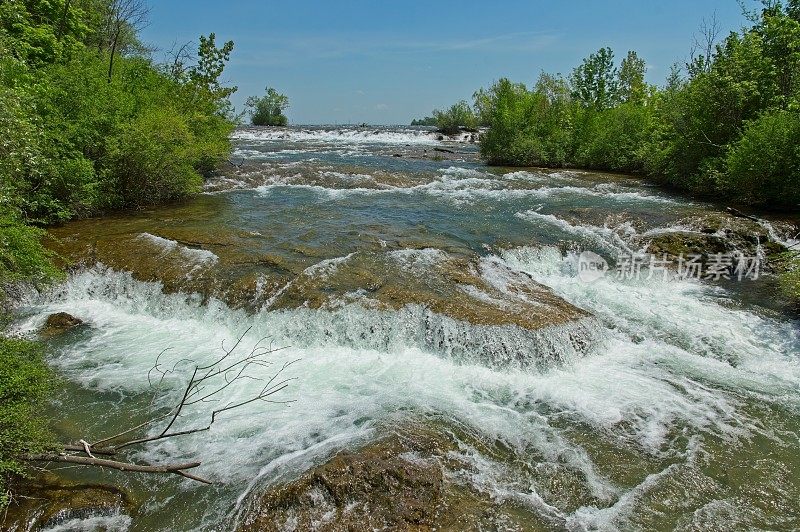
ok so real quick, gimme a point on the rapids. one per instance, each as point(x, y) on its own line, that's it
point(417, 285)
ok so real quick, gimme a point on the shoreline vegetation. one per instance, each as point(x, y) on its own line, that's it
point(723, 125)
point(92, 124)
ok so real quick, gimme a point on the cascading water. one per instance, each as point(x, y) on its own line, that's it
point(655, 403)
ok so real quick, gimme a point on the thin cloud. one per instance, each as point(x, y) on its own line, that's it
point(277, 50)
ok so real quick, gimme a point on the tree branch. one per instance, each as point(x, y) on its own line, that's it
point(177, 469)
point(206, 384)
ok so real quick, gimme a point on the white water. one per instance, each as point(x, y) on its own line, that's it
point(167, 246)
point(670, 364)
point(341, 136)
point(461, 186)
point(667, 352)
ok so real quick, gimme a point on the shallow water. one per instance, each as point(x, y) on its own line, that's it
point(676, 403)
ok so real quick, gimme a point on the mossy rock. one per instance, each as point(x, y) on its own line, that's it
point(397, 483)
point(48, 500)
point(684, 244)
point(59, 323)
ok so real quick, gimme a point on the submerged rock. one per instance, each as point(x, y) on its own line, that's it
point(476, 310)
point(464, 288)
point(444, 297)
point(398, 483)
point(48, 501)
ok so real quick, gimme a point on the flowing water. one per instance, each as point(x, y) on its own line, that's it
point(417, 285)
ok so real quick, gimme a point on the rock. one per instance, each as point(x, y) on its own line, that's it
point(459, 306)
point(679, 243)
point(59, 323)
point(397, 483)
point(449, 284)
point(716, 233)
point(48, 500)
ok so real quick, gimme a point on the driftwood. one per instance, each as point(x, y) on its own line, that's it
point(178, 469)
point(204, 387)
point(739, 214)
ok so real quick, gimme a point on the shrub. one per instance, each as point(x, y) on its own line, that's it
point(456, 117)
point(25, 382)
point(151, 161)
point(613, 139)
point(268, 110)
point(526, 128)
point(763, 166)
point(22, 256)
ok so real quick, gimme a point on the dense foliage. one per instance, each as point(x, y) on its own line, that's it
point(268, 109)
point(727, 125)
point(92, 123)
point(452, 120)
point(24, 385)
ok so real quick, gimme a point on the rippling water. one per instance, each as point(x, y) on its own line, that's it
point(414, 283)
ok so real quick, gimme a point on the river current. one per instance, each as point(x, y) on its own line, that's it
point(413, 284)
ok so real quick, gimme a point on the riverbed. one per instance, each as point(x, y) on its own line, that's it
point(411, 284)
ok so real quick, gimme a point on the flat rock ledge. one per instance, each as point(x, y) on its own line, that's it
point(397, 483)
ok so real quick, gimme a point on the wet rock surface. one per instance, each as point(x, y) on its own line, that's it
point(248, 270)
point(47, 501)
point(398, 483)
point(717, 233)
point(59, 323)
point(460, 287)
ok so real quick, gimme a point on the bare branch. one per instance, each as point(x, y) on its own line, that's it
point(120, 466)
point(206, 384)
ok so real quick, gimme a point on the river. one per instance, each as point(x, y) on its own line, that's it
point(414, 284)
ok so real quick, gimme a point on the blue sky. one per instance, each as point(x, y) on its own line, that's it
point(386, 62)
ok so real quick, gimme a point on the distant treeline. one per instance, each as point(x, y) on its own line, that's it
point(427, 121)
point(724, 125)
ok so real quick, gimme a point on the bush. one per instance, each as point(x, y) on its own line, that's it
point(456, 117)
point(268, 110)
point(763, 166)
point(25, 382)
point(613, 139)
point(150, 162)
point(526, 128)
point(22, 256)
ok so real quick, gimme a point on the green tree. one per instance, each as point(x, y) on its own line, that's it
point(268, 110)
point(631, 87)
point(594, 82)
point(427, 121)
point(211, 62)
point(453, 119)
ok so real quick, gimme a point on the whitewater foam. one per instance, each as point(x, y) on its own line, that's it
point(195, 255)
point(340, 136)
point(359, 367)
